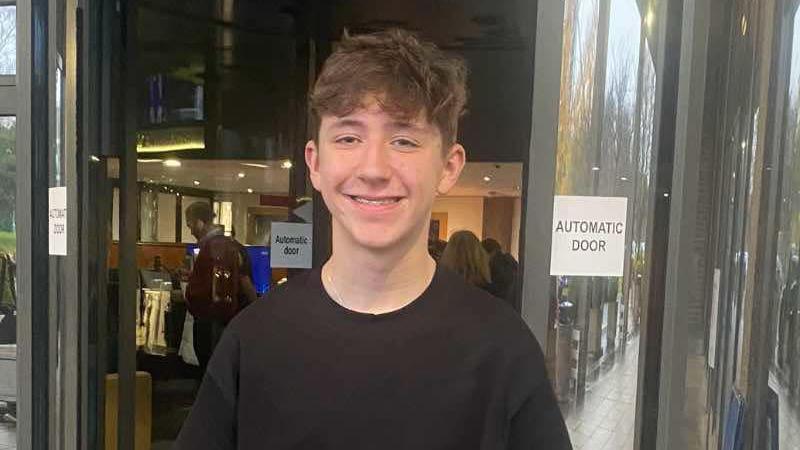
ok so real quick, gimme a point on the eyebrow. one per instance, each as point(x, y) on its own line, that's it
point(404, 125)
point(342, 123)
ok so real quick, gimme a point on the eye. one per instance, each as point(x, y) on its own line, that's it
point(405, 143)
point(347, 140)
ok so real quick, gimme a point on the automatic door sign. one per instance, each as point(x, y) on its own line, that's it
point(291, 245)
point(589, 236)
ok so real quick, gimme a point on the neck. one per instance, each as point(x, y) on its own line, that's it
point(377, 281)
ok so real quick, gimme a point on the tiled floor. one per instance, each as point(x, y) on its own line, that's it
point(606, 419)
point(8, 436)
point(788, 419)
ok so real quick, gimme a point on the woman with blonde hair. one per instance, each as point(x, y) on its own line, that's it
point(465, 255)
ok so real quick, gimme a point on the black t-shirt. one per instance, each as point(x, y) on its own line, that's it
point(455, 369)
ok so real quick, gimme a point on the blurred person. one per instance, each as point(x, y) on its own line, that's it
point(465, 256)
point(504, 271)
point(220, 284)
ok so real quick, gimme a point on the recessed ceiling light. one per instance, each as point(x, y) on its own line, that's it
point(172, 163)
point(286, 164)
point(241, 175)
point(487, 178)
point(196, 183)
point(249, 191)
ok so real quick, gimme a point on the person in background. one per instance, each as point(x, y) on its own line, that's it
point(220, 284)
point(436, 248)
point(504, 271)
point(465, 256)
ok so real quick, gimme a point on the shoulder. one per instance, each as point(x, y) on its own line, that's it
point(288, 301)
point(494, 317)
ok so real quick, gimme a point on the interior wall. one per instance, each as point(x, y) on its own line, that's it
point(498, 218)
point(241, 202)
point(463, 213)
point(167, 204)
point(516, 224)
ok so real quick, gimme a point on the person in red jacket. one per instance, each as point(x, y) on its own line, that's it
point(220, 284)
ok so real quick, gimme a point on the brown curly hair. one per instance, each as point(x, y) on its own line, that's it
point(405, 74)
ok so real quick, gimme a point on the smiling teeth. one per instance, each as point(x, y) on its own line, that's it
point(374, 202)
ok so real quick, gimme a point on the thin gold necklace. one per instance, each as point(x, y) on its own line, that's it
point(338, 296)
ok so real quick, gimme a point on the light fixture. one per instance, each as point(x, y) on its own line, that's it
point(95, 158)
point(487, 178)
point(259, 166)
point(286, 164)
point(623, 179)
point(241, 175)
point(595, 169)
point(666, 194)
point(249, 191)
point(196, 182)
point(172, 163)
point(145, 161)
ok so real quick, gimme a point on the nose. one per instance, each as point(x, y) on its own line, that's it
point(375, 165)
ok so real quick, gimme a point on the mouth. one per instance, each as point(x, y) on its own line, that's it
point(375, 201)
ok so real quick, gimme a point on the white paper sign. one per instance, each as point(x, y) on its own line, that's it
point(58, 221)
point(589, 236)
point(291, 245)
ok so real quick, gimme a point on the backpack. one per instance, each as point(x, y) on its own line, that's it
point(214, 290)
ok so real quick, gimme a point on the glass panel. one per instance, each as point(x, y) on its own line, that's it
point(8, 283)
point(8, 40)
point(784, 382)
point(605, 149)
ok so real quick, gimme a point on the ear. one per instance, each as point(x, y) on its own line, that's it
point(454, 162)
point(312, 161)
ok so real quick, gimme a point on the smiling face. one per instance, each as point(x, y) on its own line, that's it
point(379, 175)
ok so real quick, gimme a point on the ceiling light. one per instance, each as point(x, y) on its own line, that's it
point(595, 169)
point(241, 175)
point(249, 191)
point(487, 178)
point(196, 183)
point(144, 161)
point(666, 194)
point(95, 158)
point(172, 163)
point(260, 166)
point(286, 164)
point(624, 179)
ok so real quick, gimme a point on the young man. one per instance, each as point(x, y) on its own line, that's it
point(379, 349)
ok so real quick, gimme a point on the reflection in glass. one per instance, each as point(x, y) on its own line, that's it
point(785, 367)
point(604, 151)
point(8, 40)
point(8, 282)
